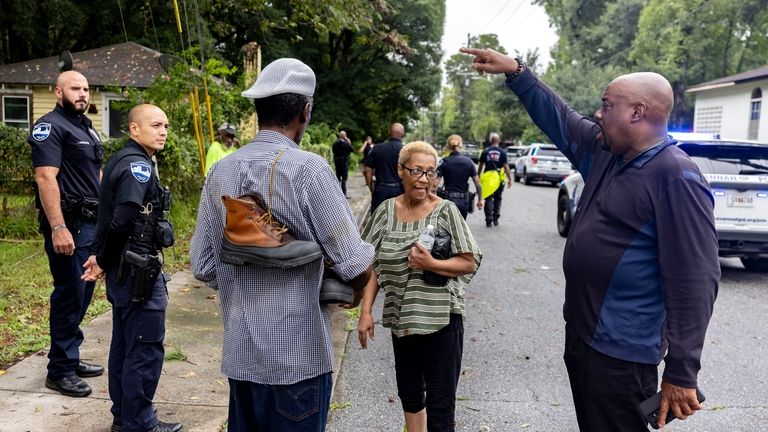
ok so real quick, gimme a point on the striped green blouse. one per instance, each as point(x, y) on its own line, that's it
point(410, 305)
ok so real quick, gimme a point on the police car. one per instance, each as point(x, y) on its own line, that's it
point(541, 162)
point(737, 172)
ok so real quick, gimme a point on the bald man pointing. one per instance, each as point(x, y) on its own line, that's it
point(66, 154)
point(641, 264)
point(131, 233)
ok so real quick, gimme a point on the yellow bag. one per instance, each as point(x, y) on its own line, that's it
point(490, 181)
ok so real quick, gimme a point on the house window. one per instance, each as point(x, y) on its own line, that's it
point(114, 119)
point(754, 113)
point(16, 111)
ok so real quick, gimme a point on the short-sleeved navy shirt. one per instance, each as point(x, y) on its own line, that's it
point(456, 170)
point(493, 158)
point(128, 178)
point(67, 141)
point(383, 159)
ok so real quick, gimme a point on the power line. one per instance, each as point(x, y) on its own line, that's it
point(152, 18)
point(498, 13)
point(122, 20)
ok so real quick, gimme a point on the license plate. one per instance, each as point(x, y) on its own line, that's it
point(741, 201)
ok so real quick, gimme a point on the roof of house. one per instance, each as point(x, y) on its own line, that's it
point(127, 64)
point(740, 78)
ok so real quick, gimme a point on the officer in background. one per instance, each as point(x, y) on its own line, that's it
point(455, 171)
point(342, 148)
point(131, 233)
point(492, 161)
point(382, 163)
point(66, 154)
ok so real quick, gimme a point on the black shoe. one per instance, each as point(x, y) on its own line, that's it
point(87, 370)
point(117, 422)
point(488, 224)
point(167, 427)
point(334, 291)
point(69, 386)
point(495, 222)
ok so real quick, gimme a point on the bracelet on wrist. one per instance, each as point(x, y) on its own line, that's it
point(58, 228)
point(521, 66)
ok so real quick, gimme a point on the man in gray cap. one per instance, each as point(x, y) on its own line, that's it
point(226, 144)
point(277, 339)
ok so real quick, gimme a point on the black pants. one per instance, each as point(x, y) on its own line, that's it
point(69, 302)
point(342, 173)
point(136, 353)
point(427, 368)
point(493, 205)
point(382, 193)
point(461, 201)
point(607, 391)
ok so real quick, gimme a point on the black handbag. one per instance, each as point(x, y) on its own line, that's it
point(441, 250)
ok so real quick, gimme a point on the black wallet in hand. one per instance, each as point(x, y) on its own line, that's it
point(441, 249)
point(651, 406)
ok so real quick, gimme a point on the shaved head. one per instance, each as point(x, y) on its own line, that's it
point(68, 76)
point(148, 126)
point(651, 89)
point(396, 131)
point(139, 112)
point(72, 91)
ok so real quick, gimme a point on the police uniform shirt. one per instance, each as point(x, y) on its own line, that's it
point(67, 141)
point(494, 158)
point(341, 149)
point(383, 159)
point(128, 179)
point(456, 170)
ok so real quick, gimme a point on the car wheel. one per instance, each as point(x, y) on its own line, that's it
point(563, 215)
point(755, 264)
point(526, 180)
point(517, 177)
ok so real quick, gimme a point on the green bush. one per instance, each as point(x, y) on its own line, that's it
point(16, 173)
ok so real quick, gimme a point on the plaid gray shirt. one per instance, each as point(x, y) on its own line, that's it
point(275, 331)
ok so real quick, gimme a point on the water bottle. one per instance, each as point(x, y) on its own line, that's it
point(427, 237)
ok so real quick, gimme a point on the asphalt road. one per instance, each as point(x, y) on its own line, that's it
point(513, 376)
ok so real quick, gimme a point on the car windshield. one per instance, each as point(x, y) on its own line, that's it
point(725, 159)
point(549, 152)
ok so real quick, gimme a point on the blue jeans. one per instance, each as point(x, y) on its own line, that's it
point(69, 301)
point(299, 407)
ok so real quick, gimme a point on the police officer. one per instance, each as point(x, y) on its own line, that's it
point(382, 162)
point(130, 235)
point(342, 148)
point(455, 170)
point(492, 161)
point(66, 154)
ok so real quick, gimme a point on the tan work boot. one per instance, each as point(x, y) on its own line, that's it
point(252, 236)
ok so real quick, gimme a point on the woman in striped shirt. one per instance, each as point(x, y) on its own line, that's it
point(426, 320)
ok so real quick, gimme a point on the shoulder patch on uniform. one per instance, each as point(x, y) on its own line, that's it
point(41, 131)
point(141, 171)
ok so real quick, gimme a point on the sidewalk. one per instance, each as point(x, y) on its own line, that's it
point(192, 392)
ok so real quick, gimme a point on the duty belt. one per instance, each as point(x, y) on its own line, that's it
point(388, 184)
point(456, 194)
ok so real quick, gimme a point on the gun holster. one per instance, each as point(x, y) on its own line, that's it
point(145, 269)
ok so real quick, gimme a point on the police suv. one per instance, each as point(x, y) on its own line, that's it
point(737, 172)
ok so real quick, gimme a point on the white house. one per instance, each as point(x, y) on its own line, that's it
point(732, 106)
